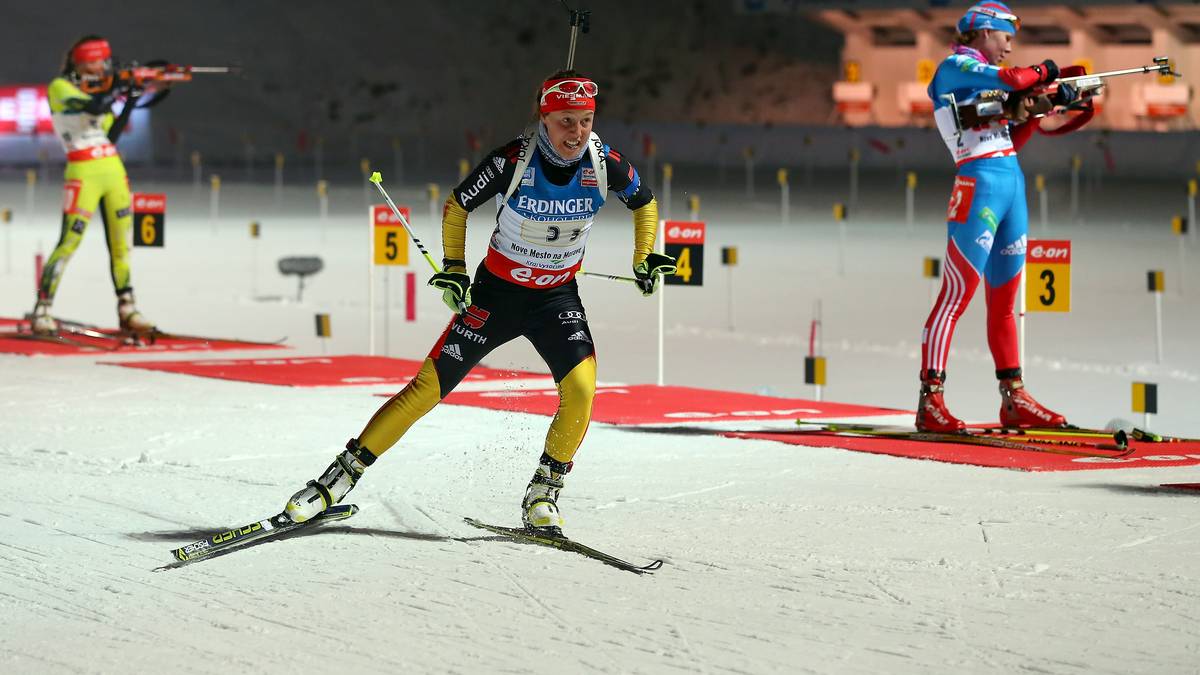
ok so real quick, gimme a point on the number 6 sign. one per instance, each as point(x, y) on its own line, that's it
point(1048, 281)
point(149, 219)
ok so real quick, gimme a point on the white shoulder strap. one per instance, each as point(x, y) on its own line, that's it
point(522, 163)
point(599, 162)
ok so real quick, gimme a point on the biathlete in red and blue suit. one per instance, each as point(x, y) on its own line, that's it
point(987, 217)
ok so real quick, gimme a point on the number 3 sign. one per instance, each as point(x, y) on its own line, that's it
point(1048, 284)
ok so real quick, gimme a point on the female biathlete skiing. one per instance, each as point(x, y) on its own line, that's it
point(81, 101)
point(549, 186)
point(987, 215)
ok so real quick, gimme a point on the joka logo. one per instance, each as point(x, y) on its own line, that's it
point(475, 317)
point(452, 351)
point(580, 336)
point(572, 316)
point(588, 179)
point(985, 240)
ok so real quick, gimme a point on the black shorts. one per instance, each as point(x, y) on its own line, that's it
point(552, 319)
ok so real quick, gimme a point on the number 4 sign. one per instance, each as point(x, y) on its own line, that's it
point(684, 241)
point(1048, 276)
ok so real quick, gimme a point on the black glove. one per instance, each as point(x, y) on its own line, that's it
point(1066, 95)
point(1047, 71)
point(649, 270)
point(456, 289)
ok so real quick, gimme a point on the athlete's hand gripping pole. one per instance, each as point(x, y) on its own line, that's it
point(463, 293)
point(650, 270)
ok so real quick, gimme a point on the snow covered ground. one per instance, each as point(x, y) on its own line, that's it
point(779, 558)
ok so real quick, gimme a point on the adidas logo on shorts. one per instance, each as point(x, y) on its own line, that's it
point(580, 336)
point(453, 351)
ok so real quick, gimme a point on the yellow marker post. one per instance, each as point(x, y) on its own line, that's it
point(925, 70)
point(255, 233)
point(852, 71)
point(434, 193)
point(319, 156)
point(324, 330)
point(1156, 284)
point(1167, 77)
point(785, 197)
point(729, 258)
point(364, 166)
point(932, 270)
point(279, 160)
point(214, 200)
point(694, 206)
point(1192, 188)
point(910, 199)
point(1145, 401)
point(814, 373)
point(668, 174)
point(30, 193)
point(464, 167)
point(196, 171)
point(839, 216)
point(323, 204)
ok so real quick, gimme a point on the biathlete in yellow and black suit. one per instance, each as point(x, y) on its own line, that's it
point(81, 101)
point(550, 184)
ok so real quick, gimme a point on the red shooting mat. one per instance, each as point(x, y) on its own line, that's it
point(650, 404)
point(10, 344)
point(1144, 455)
point(314, 371)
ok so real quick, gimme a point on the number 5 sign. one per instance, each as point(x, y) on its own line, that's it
point(1048, 281)
point(391, 243)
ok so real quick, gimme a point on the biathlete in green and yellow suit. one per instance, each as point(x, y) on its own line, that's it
point(81, 101)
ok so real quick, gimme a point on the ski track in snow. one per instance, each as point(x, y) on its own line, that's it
point(778, 559)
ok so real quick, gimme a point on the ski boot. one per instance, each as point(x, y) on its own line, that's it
point(132, 321)
point(539, 509)
point(932, 414)
point(1019, 409)
point(333, 485)
point(40, 321)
